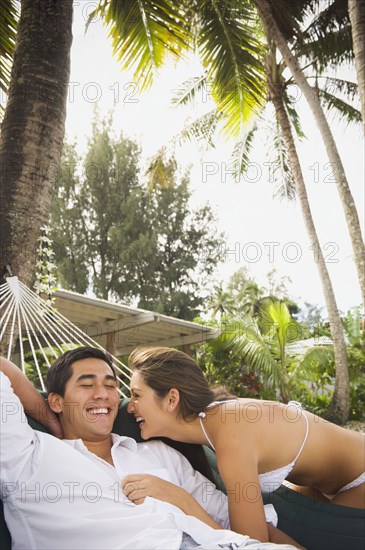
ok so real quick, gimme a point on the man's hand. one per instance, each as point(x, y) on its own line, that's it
point(53, 423)
point(32, 401)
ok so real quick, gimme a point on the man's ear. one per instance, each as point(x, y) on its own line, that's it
point(55, 402)
point(173, 399)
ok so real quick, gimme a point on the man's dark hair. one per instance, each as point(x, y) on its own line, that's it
point(61, 370)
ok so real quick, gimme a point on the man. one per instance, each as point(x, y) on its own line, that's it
point(67, 494)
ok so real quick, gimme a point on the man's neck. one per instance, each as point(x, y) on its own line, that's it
point(102, 448)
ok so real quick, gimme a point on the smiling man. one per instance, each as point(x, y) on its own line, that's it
point(67, 495)
point(82, 390)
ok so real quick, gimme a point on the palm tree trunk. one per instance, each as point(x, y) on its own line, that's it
point(348, 203)
point(357, 18)
point(33, 130)
point(339, 408)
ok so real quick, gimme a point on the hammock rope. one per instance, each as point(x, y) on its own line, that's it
point(33, 322)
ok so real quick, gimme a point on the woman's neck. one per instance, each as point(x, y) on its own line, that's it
point(188, 432)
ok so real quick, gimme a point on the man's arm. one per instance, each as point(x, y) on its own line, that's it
point(33, 403)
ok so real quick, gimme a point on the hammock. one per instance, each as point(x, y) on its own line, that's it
point(32, 325)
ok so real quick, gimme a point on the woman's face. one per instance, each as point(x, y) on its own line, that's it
point(150, 411)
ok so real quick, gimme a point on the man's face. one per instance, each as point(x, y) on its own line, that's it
point(90, 404)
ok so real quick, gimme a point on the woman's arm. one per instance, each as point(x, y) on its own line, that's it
point(237, 465)
point(139, 486)
point(34, 404)
point(245, 504)
point(275, 535)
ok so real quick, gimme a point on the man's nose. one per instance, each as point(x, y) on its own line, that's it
point(101, 392)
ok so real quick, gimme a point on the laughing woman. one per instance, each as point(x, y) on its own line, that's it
point(258, 444)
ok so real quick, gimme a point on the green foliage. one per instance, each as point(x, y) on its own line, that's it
point(144, 34)
point(9, 15)
point(247, 355)
point(243, 295)
point(356, 359)
point(45, 276)
point(269, 346)
point(115, 238)
point(230, 46)
point(250, 353)
point(354, 323)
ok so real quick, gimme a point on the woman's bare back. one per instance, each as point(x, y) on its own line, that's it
point(331, 456)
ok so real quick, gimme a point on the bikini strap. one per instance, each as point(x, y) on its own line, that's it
point(203, 415)
point(214, 403)
point(298, 405)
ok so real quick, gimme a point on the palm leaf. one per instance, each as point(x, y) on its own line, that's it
point(241, 154)
point(338, 85)
point(329, 50)
point(9, 15)
point(290, 107)
point(144, 33)
point(281, 173)
point(256, 352)
point(317, 357)
point(188, 91)
point(328, 18)
point(343, 109)
point(231, 51)
point(201, 130)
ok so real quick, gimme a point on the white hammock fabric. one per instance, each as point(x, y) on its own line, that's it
point(29, 319)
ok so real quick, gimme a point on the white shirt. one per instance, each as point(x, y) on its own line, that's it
point(59, 496)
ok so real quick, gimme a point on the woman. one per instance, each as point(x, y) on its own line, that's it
point(258, 444)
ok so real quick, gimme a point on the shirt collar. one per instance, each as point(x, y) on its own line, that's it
point(118, 440)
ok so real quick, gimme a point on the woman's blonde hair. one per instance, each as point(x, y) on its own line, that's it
point(165, 368)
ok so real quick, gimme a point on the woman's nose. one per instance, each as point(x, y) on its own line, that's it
point(130, 407)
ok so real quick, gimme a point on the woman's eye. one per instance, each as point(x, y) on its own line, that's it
point(86, 385)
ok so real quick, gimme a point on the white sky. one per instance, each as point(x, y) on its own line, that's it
point(262, 233)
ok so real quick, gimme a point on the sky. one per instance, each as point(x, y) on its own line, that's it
point(261, 233)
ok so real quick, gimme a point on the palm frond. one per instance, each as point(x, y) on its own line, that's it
point(280, 173)
point(317, 356)
point(338, 86)
point(231, 49)
point(328, 18)
point(201, 130)
point(188, 91)
point(344, 110)
point(275, 313)
point(290, 106)
point(241, 154)
point(328, 51)
point(144, 33)
point(9, 16)
point(254, 349)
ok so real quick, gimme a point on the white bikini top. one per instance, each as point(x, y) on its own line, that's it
point(269, 481)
